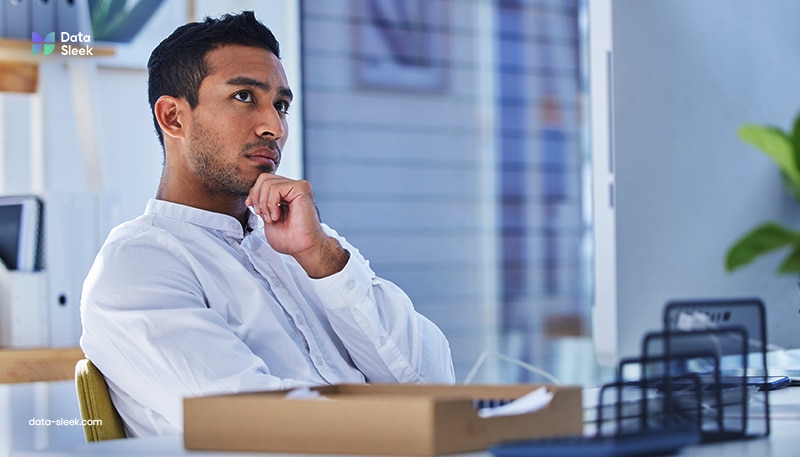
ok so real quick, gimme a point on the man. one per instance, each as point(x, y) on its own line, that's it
point(229, 282)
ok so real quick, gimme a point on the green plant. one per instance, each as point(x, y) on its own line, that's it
point(784, 149)
point(115, 20)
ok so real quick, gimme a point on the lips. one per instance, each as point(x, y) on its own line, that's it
point(265, 157)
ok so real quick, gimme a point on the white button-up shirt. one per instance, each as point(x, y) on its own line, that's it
point(180, 302)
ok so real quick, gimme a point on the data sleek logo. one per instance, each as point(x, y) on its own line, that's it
point(48, 44)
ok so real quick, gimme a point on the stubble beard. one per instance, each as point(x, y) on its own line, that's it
point(206, 159)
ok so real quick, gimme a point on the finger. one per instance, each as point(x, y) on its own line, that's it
point(249, 203)
point(267, 195)
point(275, 199)
point(254, 197)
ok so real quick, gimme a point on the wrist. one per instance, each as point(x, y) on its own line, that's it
point(326, 259)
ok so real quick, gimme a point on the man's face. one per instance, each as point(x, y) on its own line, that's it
point(238, 127)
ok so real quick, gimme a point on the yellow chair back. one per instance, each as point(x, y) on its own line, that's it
point(102, 421)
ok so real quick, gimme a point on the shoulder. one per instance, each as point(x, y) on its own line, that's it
point(137, 259)
point(140, 233)
point(139, 248)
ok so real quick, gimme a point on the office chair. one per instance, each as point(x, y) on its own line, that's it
point(95, 403)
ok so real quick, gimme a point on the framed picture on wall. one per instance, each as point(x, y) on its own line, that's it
point(401, 44)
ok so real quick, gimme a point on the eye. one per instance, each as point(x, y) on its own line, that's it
point(282, 107)
point(244, 96)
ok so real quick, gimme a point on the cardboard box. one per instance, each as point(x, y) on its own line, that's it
point(398, 419)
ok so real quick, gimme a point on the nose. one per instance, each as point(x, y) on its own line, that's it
point(272, 124)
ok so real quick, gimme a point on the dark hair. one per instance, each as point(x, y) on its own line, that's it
point(177, 65)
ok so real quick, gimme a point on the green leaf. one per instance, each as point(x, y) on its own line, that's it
point(796, 139)
point(98, 11)
point(124, 25)
point(765, 238)
point(791, 264)
point(103, 11)
point(116, 7)
point(777, 145)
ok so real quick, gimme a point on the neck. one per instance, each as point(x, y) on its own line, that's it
point(185, 193)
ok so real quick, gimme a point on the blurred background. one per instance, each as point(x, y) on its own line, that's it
point(444, 139)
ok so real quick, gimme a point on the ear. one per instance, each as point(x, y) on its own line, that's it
point(170, 113)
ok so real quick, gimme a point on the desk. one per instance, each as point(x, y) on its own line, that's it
point(783, 442)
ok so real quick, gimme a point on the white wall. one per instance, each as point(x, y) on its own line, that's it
point(686, 75)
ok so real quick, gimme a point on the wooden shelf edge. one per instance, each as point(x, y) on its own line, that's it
point(19, 77)
point(38, 365)
point(19, 68)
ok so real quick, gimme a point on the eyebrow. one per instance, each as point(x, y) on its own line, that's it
point(245, 81)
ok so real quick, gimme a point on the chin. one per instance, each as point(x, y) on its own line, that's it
point(267, 169)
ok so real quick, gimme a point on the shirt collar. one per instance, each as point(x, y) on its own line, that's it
point(229, 225)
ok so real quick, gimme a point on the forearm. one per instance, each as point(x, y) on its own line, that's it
point(390, 342)
point(385, 336)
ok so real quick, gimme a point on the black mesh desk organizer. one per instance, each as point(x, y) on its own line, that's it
point(683, 376)
point(678, 392)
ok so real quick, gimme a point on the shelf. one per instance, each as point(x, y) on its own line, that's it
point(38, 365)
point(19, 68)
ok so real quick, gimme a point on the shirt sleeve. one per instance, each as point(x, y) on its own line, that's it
point(155, 339)
point(388, 340)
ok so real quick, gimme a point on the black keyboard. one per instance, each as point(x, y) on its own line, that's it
point(648, 442)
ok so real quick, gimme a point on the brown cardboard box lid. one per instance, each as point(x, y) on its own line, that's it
point(393, 419)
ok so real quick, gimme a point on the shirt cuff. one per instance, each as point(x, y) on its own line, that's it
point(348, 287)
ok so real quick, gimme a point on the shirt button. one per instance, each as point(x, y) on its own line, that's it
point(382, 340)
point(300, 320)
point(318, 359)
point(350, 284)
